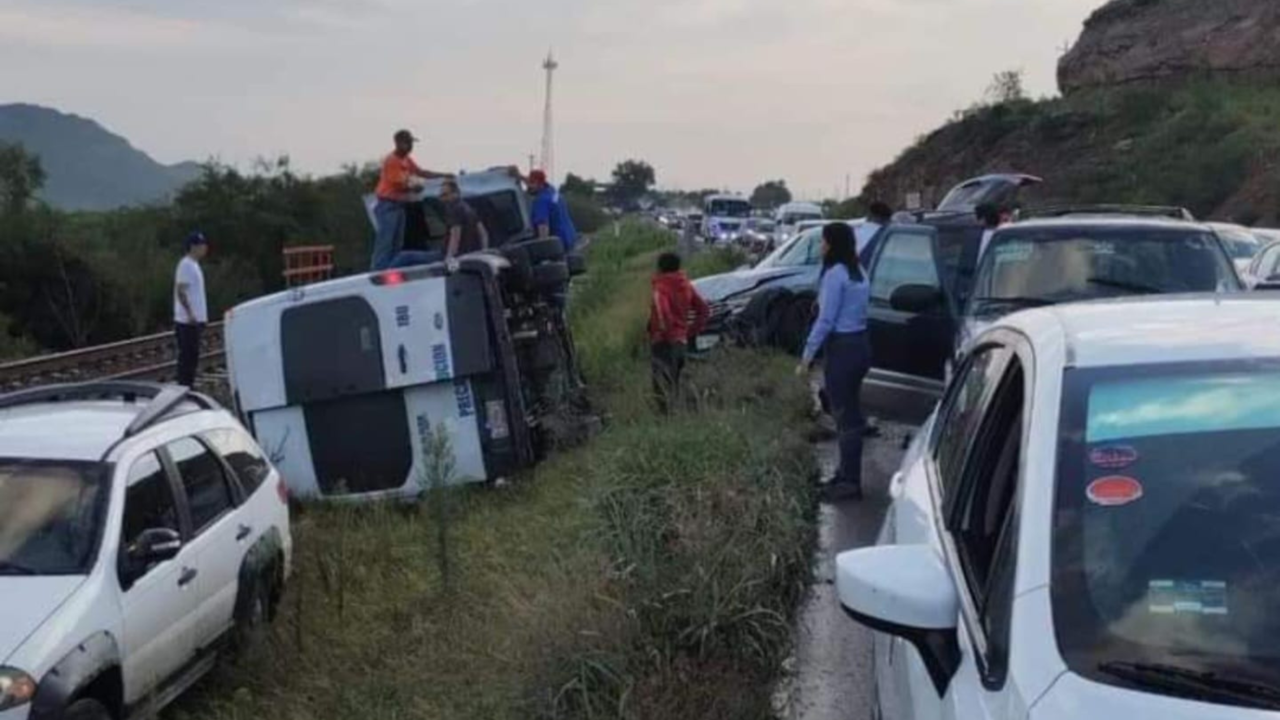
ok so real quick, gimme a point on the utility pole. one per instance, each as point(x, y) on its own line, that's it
point(548, 136)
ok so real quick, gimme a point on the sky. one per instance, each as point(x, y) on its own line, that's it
point(712, 93)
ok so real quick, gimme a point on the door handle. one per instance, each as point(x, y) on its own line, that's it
point(188, 574)
point(404, 361)
point(243, 532)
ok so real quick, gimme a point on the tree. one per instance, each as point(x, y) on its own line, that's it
point(575, 185)
point(631, 180)
point(770, 195)
point(21, 177)
point(1006, 87)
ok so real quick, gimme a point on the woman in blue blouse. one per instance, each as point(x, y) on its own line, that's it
point(840, 332)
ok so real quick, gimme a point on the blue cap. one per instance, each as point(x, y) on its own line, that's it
point(196, 238)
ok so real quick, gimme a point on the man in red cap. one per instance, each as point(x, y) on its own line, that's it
point(396, 186)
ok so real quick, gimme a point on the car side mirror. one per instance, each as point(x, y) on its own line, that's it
point(155, 546)
point(905, 591)
point(916, 299)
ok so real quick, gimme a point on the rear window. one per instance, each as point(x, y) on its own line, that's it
point(1060, 265)
point(1167, 520)
point(243, 455)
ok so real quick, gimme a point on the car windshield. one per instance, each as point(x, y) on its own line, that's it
point(792, 218)
point(729, 208)
point(1059, 265)
point(1240, 244)
point(802, 250)
point(1167, 520)
point(50, 516)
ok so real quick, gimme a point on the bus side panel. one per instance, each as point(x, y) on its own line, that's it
point(452, 405)
point(282, 433)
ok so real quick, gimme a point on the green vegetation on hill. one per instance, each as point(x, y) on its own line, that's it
point(652, 574)
point(1212, 146)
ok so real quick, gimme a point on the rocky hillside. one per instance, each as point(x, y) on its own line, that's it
point(1205, 140)
point(87, 166)
point(1130, 41)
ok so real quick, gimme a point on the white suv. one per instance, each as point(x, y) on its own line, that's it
point(140, 526)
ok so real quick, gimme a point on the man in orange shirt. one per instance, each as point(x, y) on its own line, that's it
point(396, 186)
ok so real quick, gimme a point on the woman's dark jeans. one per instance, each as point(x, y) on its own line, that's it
point(847, 359)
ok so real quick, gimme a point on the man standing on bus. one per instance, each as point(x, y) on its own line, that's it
point(399, 178)
point(467, 234)
point(549, 214)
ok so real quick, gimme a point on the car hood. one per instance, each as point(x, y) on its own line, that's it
point(720, 288)
point(29, 602)
point(1074, 697)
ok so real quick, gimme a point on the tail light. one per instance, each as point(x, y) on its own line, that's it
point(282, 490)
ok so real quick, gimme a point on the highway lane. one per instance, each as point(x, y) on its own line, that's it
point(831, 668)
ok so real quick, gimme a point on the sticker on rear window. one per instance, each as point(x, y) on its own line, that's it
point(1114, 491)
point(1187, 597)
point(1113, 457)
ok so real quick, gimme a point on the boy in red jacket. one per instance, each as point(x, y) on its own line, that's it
point(674, 302)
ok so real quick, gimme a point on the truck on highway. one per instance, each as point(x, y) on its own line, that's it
point(724, 217)
point(348, 383)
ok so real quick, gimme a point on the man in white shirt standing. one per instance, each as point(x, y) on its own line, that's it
point(190, 307)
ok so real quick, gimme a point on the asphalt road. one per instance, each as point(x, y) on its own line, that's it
point(831, 675)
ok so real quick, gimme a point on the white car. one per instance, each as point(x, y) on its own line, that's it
point(1089, 525)
point(140, 528)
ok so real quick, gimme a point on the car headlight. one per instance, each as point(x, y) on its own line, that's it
point(16, 688)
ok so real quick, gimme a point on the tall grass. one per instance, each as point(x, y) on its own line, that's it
point(650, 574)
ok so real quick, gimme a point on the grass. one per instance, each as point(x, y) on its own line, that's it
point(653, 573)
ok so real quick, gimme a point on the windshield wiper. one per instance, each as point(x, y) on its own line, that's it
point(8, 567)
point(1137, 288)
point(1198, 684)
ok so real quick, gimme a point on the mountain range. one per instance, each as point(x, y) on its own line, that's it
point(88, 167)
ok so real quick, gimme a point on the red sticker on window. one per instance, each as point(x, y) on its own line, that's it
point(1114, 491)
point(1113, 457)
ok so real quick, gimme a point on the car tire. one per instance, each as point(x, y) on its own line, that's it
point(87, 709)
point(256, 611)
point(543, 250)
point(550, 276)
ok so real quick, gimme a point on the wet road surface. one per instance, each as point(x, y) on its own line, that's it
point(832, 671)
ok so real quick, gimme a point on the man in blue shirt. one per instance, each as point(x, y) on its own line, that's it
point(550, 215)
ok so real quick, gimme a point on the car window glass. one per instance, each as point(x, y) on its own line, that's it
point(244, 457)
point(803, 251)
point(906, 259)
point(149, 503)
point(203, 481)
point(1271, 265)
point(959, 423)
point(50, 516)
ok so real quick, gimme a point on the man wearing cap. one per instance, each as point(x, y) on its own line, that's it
point(549, 214)
point(396, 185)
point(190, 308)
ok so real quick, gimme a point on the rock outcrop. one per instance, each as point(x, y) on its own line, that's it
point(1131, 41)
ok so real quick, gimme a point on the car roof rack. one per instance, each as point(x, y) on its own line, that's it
point(161, 399)
point(1154, 211)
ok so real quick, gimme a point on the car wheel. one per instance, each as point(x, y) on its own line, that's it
point(543, 250)
point(550, 276)
point(87, 709)
point(255, 611)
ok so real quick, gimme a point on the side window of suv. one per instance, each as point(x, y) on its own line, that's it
point(148, 503)
point(244, 457)
point(205, 484)
point(961, 417)
point(906, 259)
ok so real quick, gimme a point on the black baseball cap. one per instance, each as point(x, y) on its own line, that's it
point(405, 135)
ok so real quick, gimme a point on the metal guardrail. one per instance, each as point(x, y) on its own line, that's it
point(151, 357)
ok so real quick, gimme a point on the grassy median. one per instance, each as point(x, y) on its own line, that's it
point(652, 573)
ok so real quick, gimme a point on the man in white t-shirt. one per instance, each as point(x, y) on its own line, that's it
point(190, 307)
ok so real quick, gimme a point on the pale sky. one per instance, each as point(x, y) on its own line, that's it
point(713, 93)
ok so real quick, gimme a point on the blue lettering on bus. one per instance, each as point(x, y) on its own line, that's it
point(440, 358)
point(466, 405)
